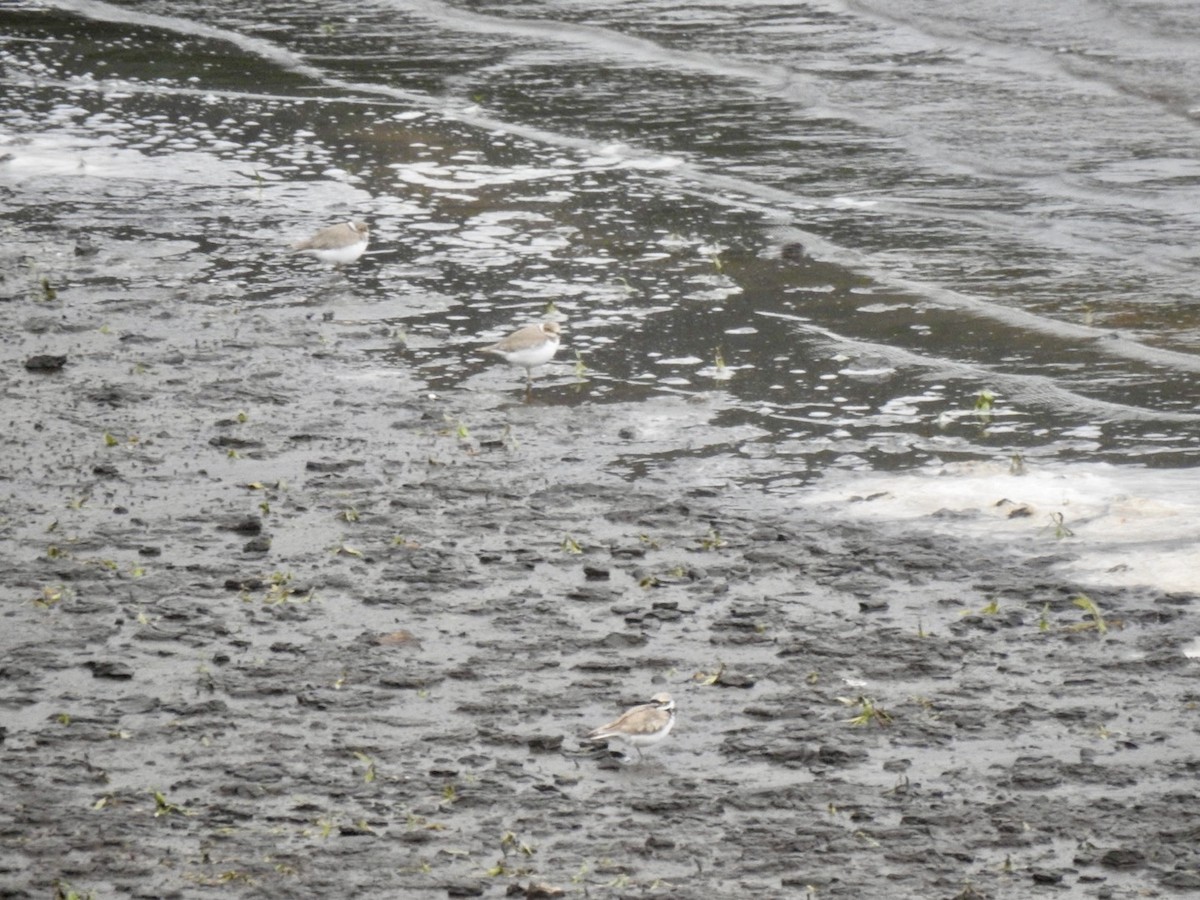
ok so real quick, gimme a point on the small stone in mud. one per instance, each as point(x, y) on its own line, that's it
point(793, 252)
point(115, 670)
point(535, 891)
point(149, 551)
point(398, 638)
point(331, 466)
point(1122, 858)
point(592, 573)
point(464, 889)
point(1046, 876)
point(260, 544)
point(248, 584)
point(733, 679)
point(45, 362)
point(546, 743)
point(248, 525)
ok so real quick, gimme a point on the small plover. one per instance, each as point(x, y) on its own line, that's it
point(336, 245)
point(641, 726)
point(528, 347)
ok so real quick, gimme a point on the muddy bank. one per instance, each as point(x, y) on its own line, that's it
point(286, 618)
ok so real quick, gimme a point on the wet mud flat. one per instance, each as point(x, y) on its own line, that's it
point(284, 617)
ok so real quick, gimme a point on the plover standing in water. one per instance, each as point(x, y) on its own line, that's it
point(528, 347)
point(336, 245)
point(641, 726)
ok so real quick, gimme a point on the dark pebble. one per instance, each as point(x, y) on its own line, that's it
point(114, 670)
point(45, 362)
point(1122, 858)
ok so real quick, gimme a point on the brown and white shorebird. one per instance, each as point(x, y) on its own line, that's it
point(528, 347)
point(336, 245)
point(640, 726)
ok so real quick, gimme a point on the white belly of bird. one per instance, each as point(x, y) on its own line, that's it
point(644, 740)
point(531, 357)
point(341, 256)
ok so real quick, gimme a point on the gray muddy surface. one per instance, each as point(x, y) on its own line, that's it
point(303, 597)
point(281, 621)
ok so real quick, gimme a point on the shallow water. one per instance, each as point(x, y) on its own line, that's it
point(986, 202)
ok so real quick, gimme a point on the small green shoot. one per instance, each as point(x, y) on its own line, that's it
point(1016, 464)
point(581, 368)
point(712, 540)
point(710, 678)
point(570, 545)
point(164, 808)
point(64, 891)
point(48, 291)
point(1060, 527)
point(1088, 605)
point(63, 718)
point(51, 596)
point(1044, 618)
point(992, 607)
point(369, 774)
point(280, 590)
point(721, 372)
point(449, 794)
point(243, 417)
point(416, 822)
point(868, 712)
point(348, 515)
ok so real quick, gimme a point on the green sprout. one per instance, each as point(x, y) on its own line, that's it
point(721, 371)
point(712, 540)
point(868, 712)
point(1088, 605)
point(1060, 527)
point(163, 808)
point(570, 545)
point(369, 774)
point(51, 596)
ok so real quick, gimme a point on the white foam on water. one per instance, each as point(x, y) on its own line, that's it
point(1120, 527)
